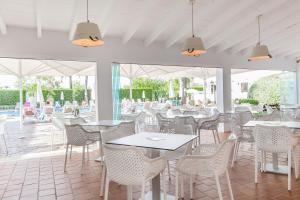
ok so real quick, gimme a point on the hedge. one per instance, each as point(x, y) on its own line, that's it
point(245, 101)
point(136, 93)
point(11, 97)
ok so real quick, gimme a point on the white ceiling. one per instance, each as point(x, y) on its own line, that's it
point(224, 25)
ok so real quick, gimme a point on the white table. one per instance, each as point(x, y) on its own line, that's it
point(196, 117)
point(105, 123)
point(274, 167)
point(155, 142)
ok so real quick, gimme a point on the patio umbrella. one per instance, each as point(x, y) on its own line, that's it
point(171, 89)
point(143, 95)
point(62, 97)
point(39, 93)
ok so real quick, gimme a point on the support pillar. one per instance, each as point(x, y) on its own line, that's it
point(223, 83)
point(104, 107)
point(21, 93)
point(298, 83)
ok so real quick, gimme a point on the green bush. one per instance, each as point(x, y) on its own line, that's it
point(11, 97)
point(136, 93)
point(199, 88)
point(247, 101)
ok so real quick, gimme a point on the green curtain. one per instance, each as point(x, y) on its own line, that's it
point(116, 91)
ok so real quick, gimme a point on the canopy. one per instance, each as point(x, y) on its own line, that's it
point(30, 67)
point(132, 71)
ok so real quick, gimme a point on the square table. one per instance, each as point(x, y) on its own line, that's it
point(156, 142)
point(274, 167)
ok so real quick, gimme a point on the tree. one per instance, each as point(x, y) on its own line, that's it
point(266, 89)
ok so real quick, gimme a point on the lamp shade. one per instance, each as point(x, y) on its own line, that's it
point(87, 35)
point(193, 46)
point(260, 52)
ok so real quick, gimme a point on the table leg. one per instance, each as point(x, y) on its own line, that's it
point(156, 181)
point(275, 161)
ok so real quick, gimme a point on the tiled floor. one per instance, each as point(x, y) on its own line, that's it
point(42, 176)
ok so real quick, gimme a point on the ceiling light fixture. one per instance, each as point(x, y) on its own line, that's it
point(259, 52)
point(87, 34)
point(193, 46)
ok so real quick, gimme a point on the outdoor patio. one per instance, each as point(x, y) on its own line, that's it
point(32, 171)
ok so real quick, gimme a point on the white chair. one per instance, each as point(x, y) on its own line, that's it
point(273, 139)
point(243, 134)
point(165, 124)
point(190, 112)
point(209, 124)
point(129, 166)
point(140, 121)
point(58, 124)
point(175, 112)
point(2, 131)
point(241, 109)
point(208, 160)
point(77, 136)
point(123, 130)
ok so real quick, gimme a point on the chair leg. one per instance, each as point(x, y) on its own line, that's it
point(181, 187)
point(143, 191)
point(4, 140)
point(191, 188)
point(214, 136)
point(71, 151)
point(129, 192)
point(289, 168)
point(255, 164)
point(164, 185)
point(233, 154)
point(83, 158)
point(176, 185)
point(66, 157)
point(217, 135)
point(169, 173)
point(106, 189)
point(87, 152)
point(229, 185)
point(103, 177)
point(218, 186)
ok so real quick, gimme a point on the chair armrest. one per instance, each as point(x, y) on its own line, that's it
point(155, 165)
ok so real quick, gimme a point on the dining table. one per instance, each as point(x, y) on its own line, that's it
point(274, 166)
point(155, 141)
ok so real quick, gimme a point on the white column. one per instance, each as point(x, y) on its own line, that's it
point(104, 108)
point(21, 92)
point(223, 89)
point(204, 91)
point(298, 83)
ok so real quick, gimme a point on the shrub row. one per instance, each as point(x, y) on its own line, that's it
point(11, 97)
point(136, 93)
point(245, 101)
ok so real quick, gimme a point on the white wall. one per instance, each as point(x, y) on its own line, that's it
point(23, 43)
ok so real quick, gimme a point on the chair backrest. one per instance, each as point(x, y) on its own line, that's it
point(209, 124)
point(175, 112)
point(125, 165)
point(243, 117)
point(123, 130)
point(241, 108)
point(297, 114)
point(184, 125)
point(190, 112)
point(77, 120)
point(209, 163)
point(274, 139)
point(76, 135)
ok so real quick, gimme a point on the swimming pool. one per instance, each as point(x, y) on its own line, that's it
point(10, 113)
